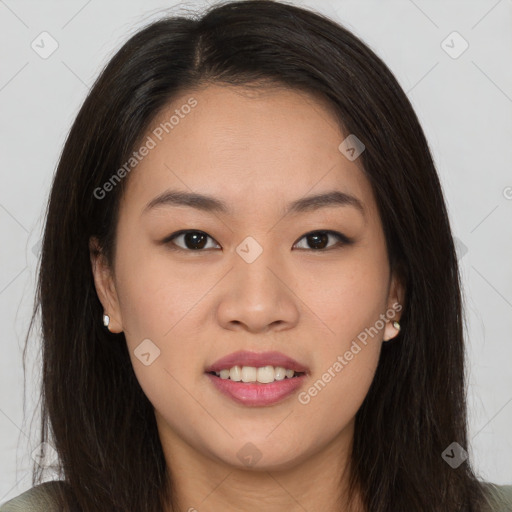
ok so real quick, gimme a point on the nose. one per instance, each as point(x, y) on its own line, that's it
point(258, 296)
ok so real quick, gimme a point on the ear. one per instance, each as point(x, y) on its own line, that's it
point(395, 306)
point(105, 286)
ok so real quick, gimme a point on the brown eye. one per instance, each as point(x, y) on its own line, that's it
point(318, 240)
point(191, 240)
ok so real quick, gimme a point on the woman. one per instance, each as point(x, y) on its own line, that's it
point(249, 290)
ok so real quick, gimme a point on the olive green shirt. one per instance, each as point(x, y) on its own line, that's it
point(39, 499)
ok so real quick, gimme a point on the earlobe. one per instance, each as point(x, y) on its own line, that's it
point(395, 306)
point(391, 330)
point(105, 288)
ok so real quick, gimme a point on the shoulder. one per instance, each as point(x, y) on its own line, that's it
point(499, 497)
point(40, 498)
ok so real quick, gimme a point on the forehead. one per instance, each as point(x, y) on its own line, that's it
point(248, 147)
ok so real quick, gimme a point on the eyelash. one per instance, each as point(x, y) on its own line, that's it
point(343, 240)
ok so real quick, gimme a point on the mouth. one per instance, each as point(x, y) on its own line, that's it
point(259, 376)
point(256, 360)
point(256, 387)
point(257, 379)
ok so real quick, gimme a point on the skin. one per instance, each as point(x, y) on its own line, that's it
point(257, 152)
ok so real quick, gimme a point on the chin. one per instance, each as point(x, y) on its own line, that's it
point(260, 455)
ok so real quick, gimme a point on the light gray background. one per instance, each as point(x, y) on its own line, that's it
point(464, 105)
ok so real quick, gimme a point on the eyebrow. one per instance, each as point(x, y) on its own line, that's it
point(334, 198)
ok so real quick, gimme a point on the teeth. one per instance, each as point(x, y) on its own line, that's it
point(249, 374)
point(280, 373)
point(234, 374)
point(263, 375)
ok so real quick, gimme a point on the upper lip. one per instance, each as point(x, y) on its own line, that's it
point(257, 359)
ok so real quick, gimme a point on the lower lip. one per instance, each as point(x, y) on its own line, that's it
point(255, 395)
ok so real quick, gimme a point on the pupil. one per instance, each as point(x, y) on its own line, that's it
point(193, 238)
point(323, 240)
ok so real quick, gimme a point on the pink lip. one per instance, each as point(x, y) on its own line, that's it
point(256, 394)
point(245, 358)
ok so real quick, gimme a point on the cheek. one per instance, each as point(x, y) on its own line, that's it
point(162, 335)
point(347, 296)
point(157, 309)
point(349, 302)
point(154, 294)
point(345, 365)
point(329, 404)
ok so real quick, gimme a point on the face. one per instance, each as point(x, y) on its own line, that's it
point(191, 283)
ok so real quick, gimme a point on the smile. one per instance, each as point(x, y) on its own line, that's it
point(247, 389)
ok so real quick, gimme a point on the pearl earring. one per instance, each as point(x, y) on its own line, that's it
point(106, 320)
point(396, 325)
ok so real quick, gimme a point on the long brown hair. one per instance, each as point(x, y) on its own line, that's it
point(93, 410)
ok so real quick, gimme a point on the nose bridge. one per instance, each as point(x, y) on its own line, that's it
point(257, 294)
point(253, 264)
